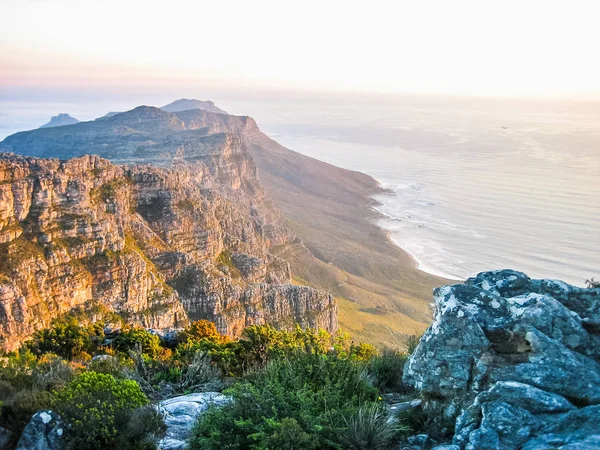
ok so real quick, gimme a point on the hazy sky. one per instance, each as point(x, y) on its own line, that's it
point(478, 47)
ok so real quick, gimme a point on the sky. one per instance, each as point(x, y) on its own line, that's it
point(480, 47)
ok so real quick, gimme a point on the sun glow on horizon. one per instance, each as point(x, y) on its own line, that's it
point(534, 48)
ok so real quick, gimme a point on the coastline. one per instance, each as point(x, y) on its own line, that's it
point(382, 295)
point(419, 264)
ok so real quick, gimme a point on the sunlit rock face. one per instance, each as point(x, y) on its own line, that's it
point(156, 245)
point(512, 362)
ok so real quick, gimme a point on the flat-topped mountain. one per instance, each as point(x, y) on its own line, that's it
point(60, 120)
point(144, 134)
point(185, 104)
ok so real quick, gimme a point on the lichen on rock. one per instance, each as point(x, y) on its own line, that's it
point(511, 362)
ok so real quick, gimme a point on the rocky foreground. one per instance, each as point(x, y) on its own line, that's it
point(508, 363)
point(512, 363)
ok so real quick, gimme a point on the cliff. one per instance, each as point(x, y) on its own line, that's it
point(512, 363)
point(154, 245)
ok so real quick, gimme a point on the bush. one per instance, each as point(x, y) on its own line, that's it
point(144, 427)
point(16, 369)
point(96, 406)
point(200, 375)
point(386, 369)
point(67, 338)
point(52, 372)
point(303, 397)
point(200, 329)
point(259, 344)
point(112, 365)
point(592, 284)
point(369, 429)
point(136, 336)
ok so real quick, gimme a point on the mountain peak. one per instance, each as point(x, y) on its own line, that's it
point(60, 120)
point(184, 104)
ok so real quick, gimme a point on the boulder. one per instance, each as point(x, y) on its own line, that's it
point(44, 431)
point(181, 414)
point(5, 436)
point(510, 362)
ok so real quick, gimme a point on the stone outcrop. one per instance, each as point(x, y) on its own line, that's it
point(45, 431)
point(181, 414)
point(510, 362)
point(149, 243)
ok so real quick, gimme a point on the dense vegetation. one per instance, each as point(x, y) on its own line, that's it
point(289, 389)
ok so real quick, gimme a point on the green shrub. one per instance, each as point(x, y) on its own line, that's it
point(67, 338)
point(369, 429)
point(97, 406)
point(386, 369)
point(316, 391)
point(287, 434)
point(116, 366)
point(261, 343)
point(144, 427)
point(136, 336)
point(17, 369)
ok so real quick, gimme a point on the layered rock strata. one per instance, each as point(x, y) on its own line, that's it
point(152, 244)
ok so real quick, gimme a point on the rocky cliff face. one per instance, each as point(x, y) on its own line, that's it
point(149, 243)
point(510, 362)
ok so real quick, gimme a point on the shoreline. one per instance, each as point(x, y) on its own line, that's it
point(417, 263)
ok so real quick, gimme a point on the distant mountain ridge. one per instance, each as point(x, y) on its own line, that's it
point(185, 104)
point(60, 120)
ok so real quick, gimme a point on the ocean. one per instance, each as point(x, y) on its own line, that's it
point(473, 184)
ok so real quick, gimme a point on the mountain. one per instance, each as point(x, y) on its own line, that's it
point(185, 104)
point(158, 246)
point(337, 247)
point(111, 113)
point(60, 120)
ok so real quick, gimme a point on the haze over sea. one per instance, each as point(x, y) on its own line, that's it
point(474, 184)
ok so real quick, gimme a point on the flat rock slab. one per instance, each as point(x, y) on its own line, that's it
point(181, 414)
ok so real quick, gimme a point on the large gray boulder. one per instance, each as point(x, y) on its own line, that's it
point(181, 414)
point(510, 362)
point(45, 431)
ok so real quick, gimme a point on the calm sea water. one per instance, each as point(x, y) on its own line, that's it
point(474, 184)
